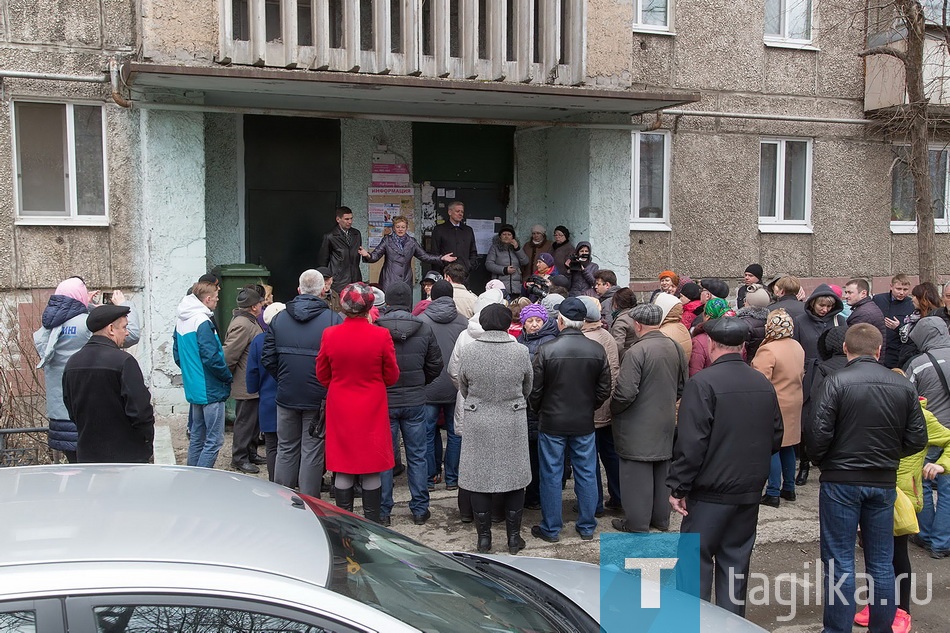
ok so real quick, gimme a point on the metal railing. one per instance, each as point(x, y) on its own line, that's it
point(525, 41)
point(26, 456)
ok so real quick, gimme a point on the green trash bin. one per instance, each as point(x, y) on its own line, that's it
point(234, 277)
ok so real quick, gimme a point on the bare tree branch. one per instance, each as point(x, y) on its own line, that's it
point(884, 50)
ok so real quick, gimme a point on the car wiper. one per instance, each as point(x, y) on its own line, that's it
point(538, 592)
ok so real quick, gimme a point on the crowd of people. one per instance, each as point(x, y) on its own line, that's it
point(689, 401)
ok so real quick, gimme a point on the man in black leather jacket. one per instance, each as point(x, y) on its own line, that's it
point(340, 251)
point(866, 418)
point(729, 426)
point(571, 380)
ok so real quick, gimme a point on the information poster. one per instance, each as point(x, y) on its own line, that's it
point(484, 232)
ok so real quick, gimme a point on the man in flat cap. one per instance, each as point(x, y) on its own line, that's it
point(729, 426)
point(241, 331)
point(571, 380)
point(652, 375)
point(105, 394)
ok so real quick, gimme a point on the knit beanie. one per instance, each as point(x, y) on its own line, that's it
point(692, 291)
point(533, 310)
point(399, 295)
point(440, 289)
point(593, 308)
point(755, 270)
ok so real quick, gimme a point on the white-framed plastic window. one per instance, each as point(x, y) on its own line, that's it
point(903, 216)
point(650, 181)
point(785, 169)
point(789, 23)
point(60, 162)
point(653, 16)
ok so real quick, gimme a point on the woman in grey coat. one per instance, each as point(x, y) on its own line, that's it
point(399, 248)
point(505, 260)
point(495, 379)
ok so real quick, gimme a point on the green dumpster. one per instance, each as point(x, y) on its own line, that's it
point(234, 277)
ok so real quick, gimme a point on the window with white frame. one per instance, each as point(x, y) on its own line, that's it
point(788, 21)
point(652, 15)
point(651, 181)
point(903, 216)
point(60, 162)
point(784, 183)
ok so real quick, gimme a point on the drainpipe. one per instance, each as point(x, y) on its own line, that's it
point(19, 74)
point(114, 79)
point(767, 117)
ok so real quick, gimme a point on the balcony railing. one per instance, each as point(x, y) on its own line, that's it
point(526, 41)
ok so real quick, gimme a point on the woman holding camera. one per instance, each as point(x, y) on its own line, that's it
point(582, 271)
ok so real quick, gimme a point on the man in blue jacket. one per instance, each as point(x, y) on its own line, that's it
point(291, 345)
point(204, 372)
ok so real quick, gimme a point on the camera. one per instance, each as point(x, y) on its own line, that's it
point(578, 261)
point(537, 287)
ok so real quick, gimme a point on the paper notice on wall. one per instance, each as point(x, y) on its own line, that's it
point(383, 204)
point(386, 173)
point(484, 232)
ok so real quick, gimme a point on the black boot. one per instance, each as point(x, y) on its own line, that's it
point(513, 527)
point(483, 529)
point(371, 502)
point(802, 477)
point(344, 498)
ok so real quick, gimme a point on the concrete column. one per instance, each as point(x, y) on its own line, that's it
point(610, 195)
point(173, 203)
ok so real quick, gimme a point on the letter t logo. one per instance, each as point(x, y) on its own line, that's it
point(650, 569)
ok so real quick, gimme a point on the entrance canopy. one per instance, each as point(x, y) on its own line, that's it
point(346, 94)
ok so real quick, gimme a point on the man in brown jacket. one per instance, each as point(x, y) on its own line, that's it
point(242, 330)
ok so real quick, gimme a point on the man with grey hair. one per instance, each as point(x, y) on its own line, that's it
point(290, 353)
point(652, 375)
point(571, 380)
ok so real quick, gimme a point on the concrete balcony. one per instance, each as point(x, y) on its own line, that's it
point(521, 41)
point(884, 87)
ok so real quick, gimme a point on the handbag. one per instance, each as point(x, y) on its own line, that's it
point(905, 519)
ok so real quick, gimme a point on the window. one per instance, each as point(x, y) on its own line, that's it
point(60, 163)
point(18, 622)
point(650, 190)
point(652, 15)
point(167, 618)
point(788, 21)
point(903, 218)
point(785, 185)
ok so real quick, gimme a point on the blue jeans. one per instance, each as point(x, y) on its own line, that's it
point(782, 473)
point(453, 443)
point(412, 422)
point(935, 520)
point(841, 509)
point(583, 452)
point(207, 434)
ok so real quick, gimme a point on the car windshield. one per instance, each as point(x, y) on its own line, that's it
point(420, 586)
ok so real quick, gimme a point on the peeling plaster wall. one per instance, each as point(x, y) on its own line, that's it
point(358, 140)
point(223, 190)
point(610, 173)
point(568, 187)
point(173, 196)
point(531, 167)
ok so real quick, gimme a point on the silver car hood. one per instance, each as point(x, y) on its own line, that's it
point(581, 583)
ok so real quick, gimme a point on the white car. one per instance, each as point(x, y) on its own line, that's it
point(149, 549)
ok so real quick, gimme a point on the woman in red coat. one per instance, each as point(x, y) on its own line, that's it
point(357, 361)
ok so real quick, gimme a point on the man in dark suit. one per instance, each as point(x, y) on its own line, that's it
point(340, 251)
point(456, 238)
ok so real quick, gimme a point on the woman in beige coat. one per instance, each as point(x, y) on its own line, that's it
point(781, 359)
point(672, 324)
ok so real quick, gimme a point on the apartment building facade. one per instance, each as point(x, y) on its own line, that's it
point(142, 143)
